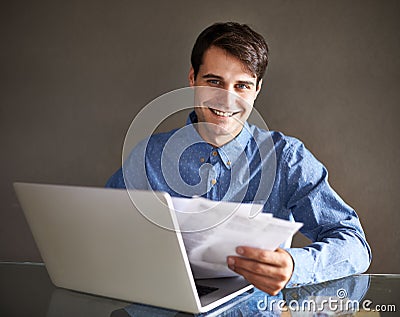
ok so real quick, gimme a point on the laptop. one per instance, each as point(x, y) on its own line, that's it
point(96, 241)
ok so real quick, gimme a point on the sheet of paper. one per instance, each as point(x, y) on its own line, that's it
point(212, 230)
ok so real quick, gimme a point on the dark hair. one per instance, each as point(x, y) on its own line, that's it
point(238, 40)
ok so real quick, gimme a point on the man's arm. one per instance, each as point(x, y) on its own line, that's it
point(339, 246)
point(134, 170)
point(116, 180)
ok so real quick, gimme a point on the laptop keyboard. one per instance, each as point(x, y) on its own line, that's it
point(204, 290)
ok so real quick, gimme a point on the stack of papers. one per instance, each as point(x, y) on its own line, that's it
point(212, 230)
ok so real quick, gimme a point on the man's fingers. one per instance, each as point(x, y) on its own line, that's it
point(276, 258)
point(256, 267)
point(262, 282)
point(266, 270)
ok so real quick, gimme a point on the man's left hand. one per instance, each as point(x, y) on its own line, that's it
point(269, 271)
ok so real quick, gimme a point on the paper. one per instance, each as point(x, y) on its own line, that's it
point(212, 230)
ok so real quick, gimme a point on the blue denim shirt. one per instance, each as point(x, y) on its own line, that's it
point(261, 166)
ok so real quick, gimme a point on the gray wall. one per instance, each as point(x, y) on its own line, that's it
point(73, 74)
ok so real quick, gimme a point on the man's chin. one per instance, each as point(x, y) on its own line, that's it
point(222, 135)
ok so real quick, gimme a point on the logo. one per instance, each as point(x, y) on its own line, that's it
point(170, 163)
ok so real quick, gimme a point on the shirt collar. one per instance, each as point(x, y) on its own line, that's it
point(230, 151)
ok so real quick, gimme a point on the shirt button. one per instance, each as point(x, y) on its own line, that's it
point(214, 153)
point(228, 163)
point(202, 160)
point(213, 181)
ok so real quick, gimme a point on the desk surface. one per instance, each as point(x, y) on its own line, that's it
point(26, 290)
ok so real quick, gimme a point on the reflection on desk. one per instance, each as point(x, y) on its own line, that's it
point(26, 290)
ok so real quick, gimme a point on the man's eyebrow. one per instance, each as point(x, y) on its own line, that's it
point(246, 82)
point(210, 75)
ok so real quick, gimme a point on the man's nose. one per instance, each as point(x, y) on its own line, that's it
point(227, 97)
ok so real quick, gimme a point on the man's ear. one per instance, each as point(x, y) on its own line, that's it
point(258, 87)
point(191, 77)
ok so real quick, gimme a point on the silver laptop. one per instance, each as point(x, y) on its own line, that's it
point(95, 240)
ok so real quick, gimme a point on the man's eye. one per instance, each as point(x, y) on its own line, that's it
point(242, 86)
point(214, 82)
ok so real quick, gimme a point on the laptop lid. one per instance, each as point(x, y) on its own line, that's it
point(95, 240)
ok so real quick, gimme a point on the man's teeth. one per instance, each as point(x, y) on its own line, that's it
point(221, 113)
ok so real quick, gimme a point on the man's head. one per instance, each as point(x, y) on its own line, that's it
point(238, 40)
point(230, 59)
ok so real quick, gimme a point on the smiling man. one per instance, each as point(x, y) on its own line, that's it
point(224, 162)
point(222, 70)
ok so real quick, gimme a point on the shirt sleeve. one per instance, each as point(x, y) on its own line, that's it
point(339, 247)
point(132, 174)
point(116, 180)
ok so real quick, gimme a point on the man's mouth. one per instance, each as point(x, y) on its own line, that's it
point(223, 113)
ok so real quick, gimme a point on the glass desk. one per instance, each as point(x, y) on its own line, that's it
point(26, 290)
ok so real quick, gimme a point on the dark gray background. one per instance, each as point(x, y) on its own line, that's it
point(73, 74)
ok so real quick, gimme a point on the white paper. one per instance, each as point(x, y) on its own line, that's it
point(212, 230)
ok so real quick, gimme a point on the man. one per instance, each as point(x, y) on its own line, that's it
point(232, 57)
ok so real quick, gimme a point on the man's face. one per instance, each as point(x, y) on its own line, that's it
point(224, 110)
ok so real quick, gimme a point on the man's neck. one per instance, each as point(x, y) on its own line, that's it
point(213, 139)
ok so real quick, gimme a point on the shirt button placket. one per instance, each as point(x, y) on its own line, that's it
point(212, 180)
